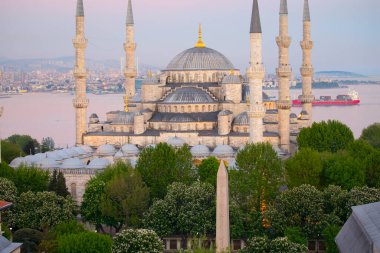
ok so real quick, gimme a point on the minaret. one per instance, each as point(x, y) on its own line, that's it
point(130, 50)
point(307, 69)
point(222, 238)
point(256, 74)
point(80, 102)
point(284, 72)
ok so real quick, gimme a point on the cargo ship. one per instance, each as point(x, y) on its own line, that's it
point(352, 98)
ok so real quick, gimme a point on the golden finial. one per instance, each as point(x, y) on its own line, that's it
point(150, 74)
point(232, 72)
point(126, 101)
point(200, 43)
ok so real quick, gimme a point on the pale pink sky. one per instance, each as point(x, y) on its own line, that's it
point(345, 32)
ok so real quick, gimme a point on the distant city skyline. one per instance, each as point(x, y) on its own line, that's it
point(345, 32)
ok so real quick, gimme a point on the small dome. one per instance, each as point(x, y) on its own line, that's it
point(293, 116)
point(223, 151)
point(225, 113)
point(304, 113)
point(200, 59)
point(71, 151)
point(133, 162)
point(232, 80)
point(17, 162)
point(98, 163)
point(63, 154)
point(48, 163)
point(241, 119)
point(130, 149)
point(189, 95)
point(176, 142)
point(72, 163)
point(200, 151)
point(80, 150)
point(119, 155)
point(106, 150)
point(94, 118)
point(54, 155)
point(87, 148)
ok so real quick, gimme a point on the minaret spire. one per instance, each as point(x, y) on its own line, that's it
point(80, 102)
point(284, 73)
point(256, 73)
point(130, 72)
point(307, 70)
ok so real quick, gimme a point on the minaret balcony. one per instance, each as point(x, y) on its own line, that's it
point(257, 111)
point(307, 45)
point(130, 46)
point(80, 73)
point(283, 41)
point(284, 104)
point(80, 42)
point(307, 71)
point(284, 71)
point(130, 73)
point(80, 102)
point(307, 98)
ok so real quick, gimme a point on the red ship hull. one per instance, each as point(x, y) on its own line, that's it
point(328, 103)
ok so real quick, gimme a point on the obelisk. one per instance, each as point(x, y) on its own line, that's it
point(222, 210)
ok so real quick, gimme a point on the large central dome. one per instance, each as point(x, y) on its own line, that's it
point(200, 58)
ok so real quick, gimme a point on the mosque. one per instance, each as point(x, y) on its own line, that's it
point(200, 99)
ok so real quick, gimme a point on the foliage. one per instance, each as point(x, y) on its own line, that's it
point(328, 136)
point(371, 135)
point(208, 170)
point(8, 190)
point(85, 242)
point(57, 184)
point(278, 245)
point(372, 169)
point(29, 238)
point(31, 179)
point(68, 227)
point(7, 172)
point(26, 143)
point(299, 207)
point(343, 170)
point(259, 175)
point(304, 167)
point(137, 241)
point(125, 198)
point(294, 234)
point(335, 199)
point(41, 209)
point(185, 210)
point(161, 166)
point(10, 151)
point(47, 144)
point(329, 234)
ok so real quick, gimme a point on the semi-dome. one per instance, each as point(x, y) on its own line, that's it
point(200, 151)
point(241, 119)
point(94, 118)
point(176, 141)
point(72, 163)
point(106, 150)
point(98, 163)
point(130, 149)
point(17, 162)
point(200, 58)
point(189, 95)
point(223, 151)
point(48, 163)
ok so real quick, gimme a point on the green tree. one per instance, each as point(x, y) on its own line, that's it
point(26, 143)
point(10, 151)
point(31, 179)
point(343, 170)
point(8, 190)
point(329, 234)
point(52, 187)
point(161, 166)
point(139, 240)
point(47, 144)
point(304, 167)
point(41, 209)
point(125, 199)
point(278, 245)
point(208, 169)
point(371, 135)
point(372, 169)
point(328, 136)
point(30, 238)
point(85, 242)
point(61, 188)
point(294, 234)
point(185, 210)
point(68, 227)
point(259, 175)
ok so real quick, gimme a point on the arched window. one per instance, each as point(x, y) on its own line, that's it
point(203, 108)
point(196, 108)
point(189, 108)
point(175, 109)
point(182, 109)
point(209, 108)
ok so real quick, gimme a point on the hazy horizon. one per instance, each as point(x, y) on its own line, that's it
point(344, 32)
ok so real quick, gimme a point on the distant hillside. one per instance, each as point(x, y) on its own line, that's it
point(337, 74)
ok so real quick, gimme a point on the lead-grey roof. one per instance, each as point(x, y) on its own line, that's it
point(361, 231)
point(241, 119)
point(284, 7)
point(306, 11)
point(130, 20)
point(184, 117)
point(255, 19)
point(80, 9)
point(6, 246)
point(189, 95)
point(200, 59)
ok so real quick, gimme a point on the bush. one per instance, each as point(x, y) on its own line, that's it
point(29, 238)
point(278, 245)
point(68, 227)
point(8, 190)
point(329, 234)
point(137, 241)
point(86, 242)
